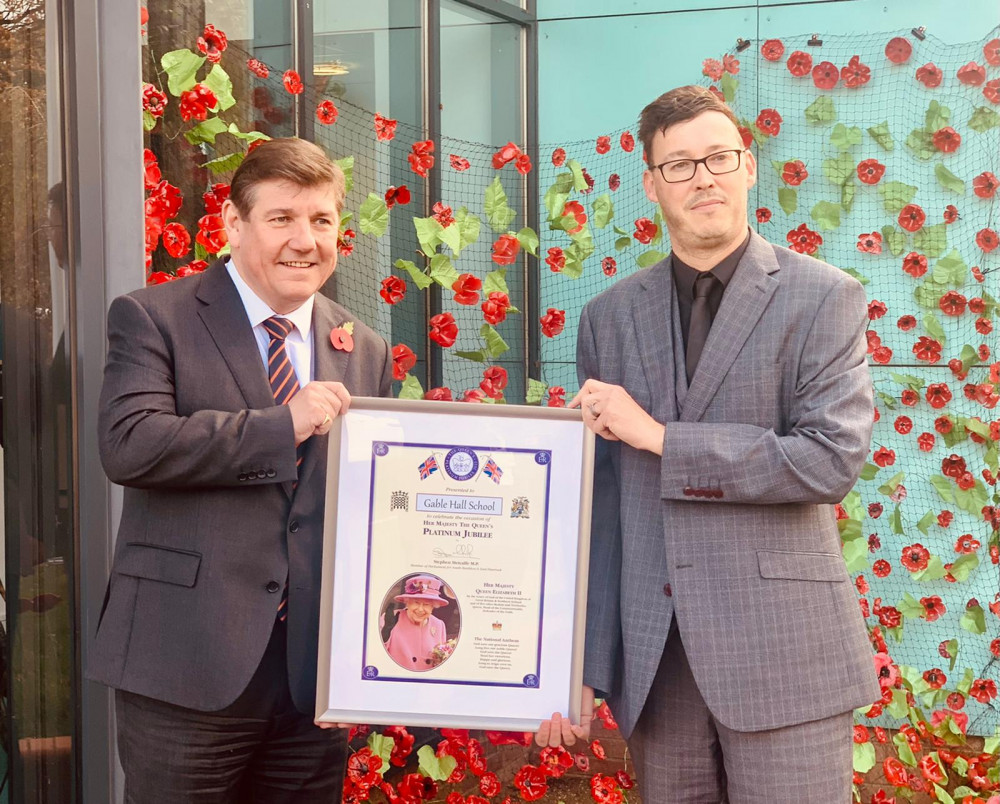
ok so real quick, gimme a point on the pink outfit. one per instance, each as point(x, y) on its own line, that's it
point(411, 644)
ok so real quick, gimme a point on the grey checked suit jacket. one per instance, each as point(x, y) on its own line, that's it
point(211, 524)
point(738, 515)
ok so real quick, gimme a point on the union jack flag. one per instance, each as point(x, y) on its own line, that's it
point(428, 467)
point(492, 470)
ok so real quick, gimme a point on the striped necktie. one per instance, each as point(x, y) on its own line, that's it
point(284, 385)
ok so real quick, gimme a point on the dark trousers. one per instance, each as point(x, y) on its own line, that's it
point(258, 750)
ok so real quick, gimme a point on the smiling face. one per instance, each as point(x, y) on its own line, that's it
point(286, 246)
point(419, 610)
point(706, 216)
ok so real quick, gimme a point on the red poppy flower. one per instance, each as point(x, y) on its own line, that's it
point(898, 50)
point(935, 678)
point(825, 75)
point(772, 50)
point(493, 382)
point(984, 326)
point(258, 68)
point(212, 43)
point(403, 358)
point(345, 242)
point(192, 268)
point(884, 457)
point(860, 734)
point(794, 173)
point(870, 171)
point(933, 608)
point(466, 289)
point(489, 784)
point(895, 772)
point(393, 289)
point(397, 195)
point(559, 157)
point(983, 690)
point(211, 233)
point(609, 266)
point(459, 163)
point(153, 100)
point(712, 69)
point(555, 761)
point(507, 153)
point(991, 52)
point(769, 122)
point(906, 322)
point(930, 769)
point(645, 231)
point(946, 139)
point(804, 240)
point(915, 557)
point(215, 197)
point(197, 102)
point(293, 83)
point(495, 307)
point(575, 208)
point(925, 442)
point(967, 544)
point(627, 142)
point(763, 215)
point(442, 214)
point(991, 91)
point(603, 144)
point(151, 170)
point(882, 355)
point(927, 349)
point(444, 330)
point(957, 368)
point(903, 425)
point(176, 240)
point(952, 303)
point(553, 322)
point(912, 217)
point(870, 243)
point(531, 783)
point(950, 214)
point(505, 249)
point(421, 157)
point(523, 164)
point(985, 184)
point(326, 113)
point(881, 568)
point(855, 74)
point(876, 309)
point(972, 74)
point(385, 128)
point(556, 259)
point(915, 264)
point(986, 239)
point(938, 394)
point(930, 75)
point(799, 63)
point(746, 135)
point(557, 397)
point(874, 340)
point(614, 182)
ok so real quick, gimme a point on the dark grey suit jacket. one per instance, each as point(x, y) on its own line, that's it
point(211, 525)
point(738, 515)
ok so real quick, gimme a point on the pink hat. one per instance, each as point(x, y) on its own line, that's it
point(423, 587)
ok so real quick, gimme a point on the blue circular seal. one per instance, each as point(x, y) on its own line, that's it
point(380, 448)
point(531, 680)
point(370, 672)
point(543, 457)
point(461, 463)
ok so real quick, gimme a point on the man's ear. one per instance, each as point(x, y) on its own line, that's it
point(751, 168)
point(648, 185)
point(231, 220)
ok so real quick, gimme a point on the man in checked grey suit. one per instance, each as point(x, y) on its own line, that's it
point(735, 410)
point(215, 668)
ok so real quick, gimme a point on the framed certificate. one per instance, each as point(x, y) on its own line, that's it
point(455, 564)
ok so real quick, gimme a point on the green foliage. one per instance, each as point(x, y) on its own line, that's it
point(498, 213)
point(535, 392)
point(603, 210)
point(205, 131)
point(896, 195)
point(788, 199)
point(931, 240)
point(181, 67)
point(219, 82)
point(821, 111)
point(373, 217)
point(844, 138)
point(882, 135)
point(437, 768)
point(827, 215)
point(949, 180)
point(420, 279)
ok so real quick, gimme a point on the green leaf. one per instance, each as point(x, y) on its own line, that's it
point(555, 196)
point(933, 327)
point(896, 521)
point(495, 345)
point(442, 271)
point(977, 427)
point(728, 85)
point(983, 119)
point(945, 488)
point(891, 484)
point(648, 258)
point(246, 136)
point(535, 393)
point(603, 210)
point(579, 182)
point(973, 620)
point(926, 521)
point(479, 356)
point(573, 268)
point(934, 571)
point(224, 164)
point(205, 131)
point(936, 116)
point(788, 199)
point(896, 195)
point(903, 750)
point(420, 279)
point(898, 707)
point(882, 135)
point(864, 757)
point(428, 233)
point(221, 84)
point(148, 121)
point(496, 280)
point(949, 180)
point(869, 471)
point(451, 236)
point(411, 389)
point(908, 380)
point(181, 66)
point(931, 240)
point(839, 169)
point(821, 111)
point(894, 239)
point(940, 793)
point(962, 567)
point(373, 217)
point(844, 137)
point(929, 293)
point(498, 213)
point(910, 607)
point(346, 164)
point(856, 555)
point(827, 215)
point(468, 229)
point(864, 280)
point(951, 648)
point(528, 240)
point(972, 500)
point(437, 768)
point(991, 745)
point(950, 269)
point(380, 745)
point(622, 243)
point(847, 193)
point(850, 530)
point(921, 144)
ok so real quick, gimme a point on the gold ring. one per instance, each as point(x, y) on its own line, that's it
point(326, 420)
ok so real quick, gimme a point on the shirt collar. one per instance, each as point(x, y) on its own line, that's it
point(685, 275)
point(258, 311)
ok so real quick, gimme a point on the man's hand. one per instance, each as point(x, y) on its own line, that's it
point(610, 412)
point(560, 731)
point(325, 725)
point(316, 406)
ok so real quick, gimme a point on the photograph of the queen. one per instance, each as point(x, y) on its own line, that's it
point(418, 640)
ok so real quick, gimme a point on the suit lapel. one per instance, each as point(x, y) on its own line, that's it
point(654, 311)
point(743, 303)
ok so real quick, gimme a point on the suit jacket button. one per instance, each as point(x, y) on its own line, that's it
point(667, 590)
point(242, 476)
point(271, 473)
point(272, 586)
point(294, 526)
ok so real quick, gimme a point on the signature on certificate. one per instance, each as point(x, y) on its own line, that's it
point(461, 549)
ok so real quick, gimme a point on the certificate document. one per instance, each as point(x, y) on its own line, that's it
point(454, 565)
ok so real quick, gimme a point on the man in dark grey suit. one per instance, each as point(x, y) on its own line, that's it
point(218, 395)
point(730, 387)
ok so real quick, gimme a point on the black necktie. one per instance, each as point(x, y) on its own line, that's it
point(701, 321)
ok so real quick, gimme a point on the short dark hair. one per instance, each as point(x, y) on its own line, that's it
point(285, 159)
point(678, 106)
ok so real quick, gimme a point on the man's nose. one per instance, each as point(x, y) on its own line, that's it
point(703, 177)
point(302, 238)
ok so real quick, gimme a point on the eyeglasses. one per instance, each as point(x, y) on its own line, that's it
point(678, 170)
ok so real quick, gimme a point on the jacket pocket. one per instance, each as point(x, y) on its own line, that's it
point(156, 563)
point(798, 566)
